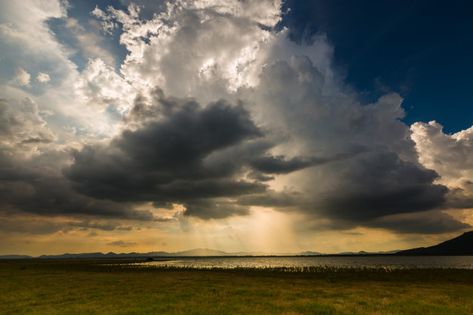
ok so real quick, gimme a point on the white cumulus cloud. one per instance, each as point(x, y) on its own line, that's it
point(42, 77)
point(450, 155)
point(22, 77)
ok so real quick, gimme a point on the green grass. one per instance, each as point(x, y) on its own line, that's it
point(91, 287)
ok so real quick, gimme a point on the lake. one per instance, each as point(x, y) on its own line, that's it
point(391, 262)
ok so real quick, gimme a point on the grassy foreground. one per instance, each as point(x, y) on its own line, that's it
point(91, 287)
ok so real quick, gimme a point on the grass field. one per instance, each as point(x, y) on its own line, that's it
point(91, 287)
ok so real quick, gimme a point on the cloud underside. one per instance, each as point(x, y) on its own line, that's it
point(214, 109)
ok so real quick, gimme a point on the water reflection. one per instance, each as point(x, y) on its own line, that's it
point(391, 262)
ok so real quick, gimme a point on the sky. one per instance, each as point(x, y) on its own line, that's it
point(268, 126)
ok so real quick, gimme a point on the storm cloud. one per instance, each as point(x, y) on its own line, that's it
point(180, 154)
point(163, 160)
point(30, 186)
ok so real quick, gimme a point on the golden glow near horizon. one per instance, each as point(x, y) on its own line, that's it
point(263, 231)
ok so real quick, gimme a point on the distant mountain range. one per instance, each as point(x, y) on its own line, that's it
point(199, 252)
point(461, 245)
point(187, 253)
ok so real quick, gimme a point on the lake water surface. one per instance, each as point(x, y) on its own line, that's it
point(391, 262)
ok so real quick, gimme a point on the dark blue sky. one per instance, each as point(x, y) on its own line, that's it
point(421, 49)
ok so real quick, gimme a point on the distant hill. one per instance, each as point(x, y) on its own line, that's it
point(188, 253)
point(204, 252)
point(461, 245)
point(198, 252)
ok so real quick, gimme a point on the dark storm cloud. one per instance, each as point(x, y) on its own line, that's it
point(187, 136)
point(375, 189)
point(53, 196)
point(164, 159)
point(193, 156)
point(174, 151)
point(424, 222)
point(215, 161)
point(430, 222)
point(376, 184)
point(367, 186)
point(30, 185)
